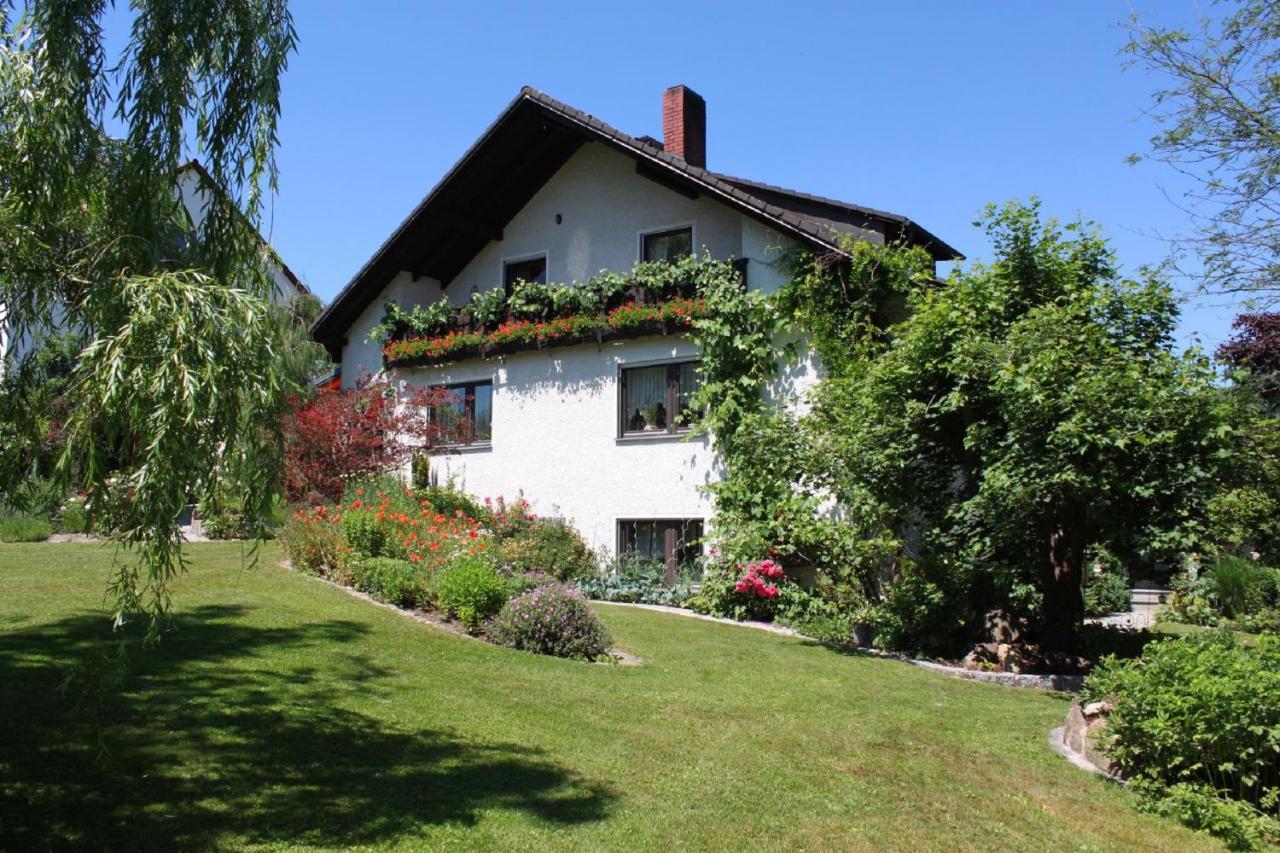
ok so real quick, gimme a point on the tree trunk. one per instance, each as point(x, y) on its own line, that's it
point(1061, 577)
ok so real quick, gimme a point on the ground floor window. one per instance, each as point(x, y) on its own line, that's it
point(677, 542)
point(468, 411)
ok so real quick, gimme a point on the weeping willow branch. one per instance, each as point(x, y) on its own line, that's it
point(182, 380)
point(178, 397)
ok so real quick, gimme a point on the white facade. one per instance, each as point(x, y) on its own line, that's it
point(555, 430)
point(604, 209)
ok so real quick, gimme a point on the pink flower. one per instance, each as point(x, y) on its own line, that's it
point(741, 586)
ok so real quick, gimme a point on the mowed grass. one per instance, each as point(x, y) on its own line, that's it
point(285, 713)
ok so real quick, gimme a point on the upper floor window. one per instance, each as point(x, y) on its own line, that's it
point(528, 269)
point(467, 413)
point(667, 245)
point(657, 398)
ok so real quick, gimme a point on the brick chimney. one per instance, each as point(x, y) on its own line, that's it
point(684, 125)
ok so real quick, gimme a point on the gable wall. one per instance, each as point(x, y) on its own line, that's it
point(604, 208)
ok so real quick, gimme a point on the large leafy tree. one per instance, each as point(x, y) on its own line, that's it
point(1220, 114)
point(1026, 410)
point(179, 384)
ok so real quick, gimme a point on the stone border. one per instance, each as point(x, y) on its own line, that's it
point(1078, 739)
point(1060, 682)
point(1057, 682)
point(689, 614)
point(1059, 744)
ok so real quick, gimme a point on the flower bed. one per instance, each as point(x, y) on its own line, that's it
point(447, 554)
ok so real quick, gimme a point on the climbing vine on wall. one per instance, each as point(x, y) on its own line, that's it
point(845, 305)
point(773, 497)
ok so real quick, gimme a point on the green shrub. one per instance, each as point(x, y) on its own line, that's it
point(923, 610)
point(1245, 519)
point(1192, 599)
point(363, 532)
point(25, 528)
point(396, 582)
point(223, 523)
point(1106, 584)
point(1239, 824)
point(37, 497)
point(550, 547)
point(1240, 586)
point(1199, 717)
point(74, 519)
point(551, 620)
point(814, 616)
point(446, 499)
point(518, 583)
point(1263, 621)
point(1106, 593)
point(472, 590)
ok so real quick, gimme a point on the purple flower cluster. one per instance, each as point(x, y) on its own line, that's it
point(552, 619)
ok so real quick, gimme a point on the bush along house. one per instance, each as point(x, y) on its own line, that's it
point(550, 279)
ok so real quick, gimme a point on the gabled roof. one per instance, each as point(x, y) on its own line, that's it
point(207, 180)
point(524, 147)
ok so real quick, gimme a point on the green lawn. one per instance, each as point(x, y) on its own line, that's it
point(1181, 629)
point(286, 713)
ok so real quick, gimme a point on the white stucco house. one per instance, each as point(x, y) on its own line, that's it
point(551, 194)
point(193, 185)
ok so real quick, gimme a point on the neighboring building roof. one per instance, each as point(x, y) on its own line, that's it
point(527, 144)
point(208, 180)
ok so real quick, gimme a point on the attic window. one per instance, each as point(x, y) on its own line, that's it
point(667, 245)
point(526, 269)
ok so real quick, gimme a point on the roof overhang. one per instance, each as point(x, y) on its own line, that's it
point(523, 148)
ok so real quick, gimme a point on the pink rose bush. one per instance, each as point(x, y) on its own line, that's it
point(748, 590)
point(759, 579)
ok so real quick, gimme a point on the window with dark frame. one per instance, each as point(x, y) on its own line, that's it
point(469, 410)
point(668, 245)
point(677, 542)
point(658, 398)
point(530, 269)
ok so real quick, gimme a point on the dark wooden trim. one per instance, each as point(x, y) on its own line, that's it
point(672, 529)
point(476, 227)
point(672, 559)
point(646, 330)
point(468, 390)
point(672, 397)
point(666, 232)
point(665, 179)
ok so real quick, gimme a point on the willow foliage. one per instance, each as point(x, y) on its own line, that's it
point(179, 385)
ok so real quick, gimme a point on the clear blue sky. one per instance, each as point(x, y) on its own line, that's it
point(928, 109)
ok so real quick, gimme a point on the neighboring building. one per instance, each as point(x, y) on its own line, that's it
point(551, 194)
point(194, 185)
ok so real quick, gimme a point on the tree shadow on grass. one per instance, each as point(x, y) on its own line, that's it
point(210, 744)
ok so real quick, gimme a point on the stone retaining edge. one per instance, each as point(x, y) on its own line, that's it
point(1059, 682)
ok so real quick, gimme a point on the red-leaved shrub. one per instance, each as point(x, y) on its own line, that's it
point(339, 436)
